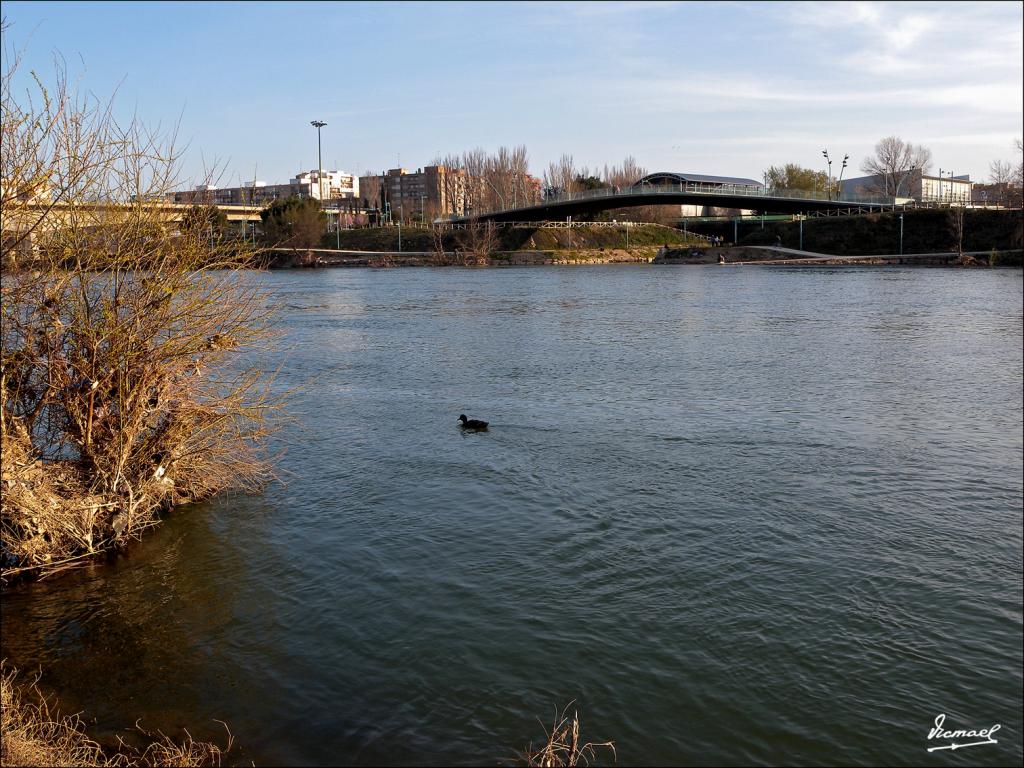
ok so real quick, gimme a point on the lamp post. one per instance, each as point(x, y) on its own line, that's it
point(901, 234)
point(828, 182)
point(318, 124)
point(841, 172)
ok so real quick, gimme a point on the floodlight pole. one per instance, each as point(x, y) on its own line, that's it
point(318, 124)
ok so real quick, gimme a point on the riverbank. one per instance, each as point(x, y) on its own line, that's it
point(692, 255)
point(988, 240)
point(918, 230)
point(776, 255)
point(326, 257)
point(551, 237)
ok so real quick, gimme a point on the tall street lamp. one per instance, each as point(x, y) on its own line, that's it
point(318, 124)
point(828, 184)
point(841, 171)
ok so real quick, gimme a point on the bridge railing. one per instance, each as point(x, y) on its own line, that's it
point(695, 188)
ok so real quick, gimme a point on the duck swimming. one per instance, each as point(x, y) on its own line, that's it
point(472, 423)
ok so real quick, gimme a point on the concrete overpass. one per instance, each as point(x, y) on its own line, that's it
point(24, 222)
point(19, 216)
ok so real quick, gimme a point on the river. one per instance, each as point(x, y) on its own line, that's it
point(744, 515)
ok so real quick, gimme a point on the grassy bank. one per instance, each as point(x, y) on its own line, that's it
point(924, 231)
point(511, 239)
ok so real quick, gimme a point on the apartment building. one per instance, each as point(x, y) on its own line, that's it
point(331, 187)
point(423, 195)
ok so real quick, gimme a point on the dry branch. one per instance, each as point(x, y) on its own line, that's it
point(563, 745)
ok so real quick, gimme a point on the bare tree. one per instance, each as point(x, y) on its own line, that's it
point(452, 183)
point(121, 390)
point(894, 161)
point(505, 173)
point(560, 177)
point(1018, 197)
point(439, 256)
point(625, 175)
point(1001, 172)
point(1020, 164)
point(477, 242)
point(478, 197)
point(476, 181)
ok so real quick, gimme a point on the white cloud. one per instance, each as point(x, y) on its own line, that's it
point(723, 94)
point(928, 38)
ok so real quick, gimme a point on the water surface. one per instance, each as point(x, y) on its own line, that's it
point(741, 516)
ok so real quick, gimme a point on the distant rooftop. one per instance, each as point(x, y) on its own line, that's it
point(696, 178)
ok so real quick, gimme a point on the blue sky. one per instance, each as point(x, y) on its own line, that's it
point(722, 88)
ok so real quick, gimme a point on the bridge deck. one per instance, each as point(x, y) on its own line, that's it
point(721, 196)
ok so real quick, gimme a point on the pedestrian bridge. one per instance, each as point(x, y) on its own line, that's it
point(660, 191)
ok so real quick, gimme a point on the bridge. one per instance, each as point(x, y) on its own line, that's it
point(659, 189)
point(18, 214)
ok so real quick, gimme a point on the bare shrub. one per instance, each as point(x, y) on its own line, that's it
point(122, 386)
point(440, 235)
point(35, 733)
point(563, 745)
point(477, 242)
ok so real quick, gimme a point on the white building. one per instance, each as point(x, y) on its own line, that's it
point(326, 185)
point(913, 185)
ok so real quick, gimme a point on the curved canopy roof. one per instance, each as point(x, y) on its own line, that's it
point(662, 177)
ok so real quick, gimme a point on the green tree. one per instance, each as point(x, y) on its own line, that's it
point(589, 182)
point(793, 176)
point(294, 223)
point(203, 219)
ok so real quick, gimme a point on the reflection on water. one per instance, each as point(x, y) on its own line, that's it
point(741, 516)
